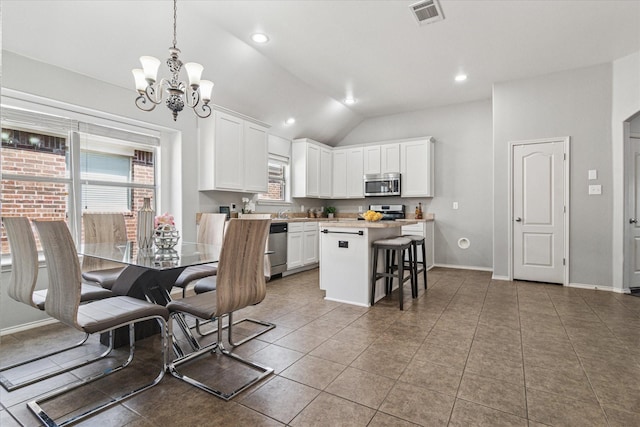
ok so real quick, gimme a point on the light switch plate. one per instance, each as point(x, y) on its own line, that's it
point(593, 174)
point(595, 189)
point(455, 205)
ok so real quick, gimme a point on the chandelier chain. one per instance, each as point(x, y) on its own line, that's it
point(175, 20)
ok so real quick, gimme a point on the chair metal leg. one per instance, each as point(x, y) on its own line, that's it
point(10, 386)
point(35, 407)
point(268, 327)
point(219, 349)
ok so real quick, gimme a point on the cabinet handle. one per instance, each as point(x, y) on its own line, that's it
point(633, 220)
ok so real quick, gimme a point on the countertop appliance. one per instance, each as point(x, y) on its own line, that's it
point(278, 244)
point(384, 184)
point(389, 212)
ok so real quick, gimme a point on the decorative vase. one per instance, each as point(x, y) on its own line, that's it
point(330, 215)
point(144, 232)
point(166, 236)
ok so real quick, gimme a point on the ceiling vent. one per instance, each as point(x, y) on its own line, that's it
point(427, 11)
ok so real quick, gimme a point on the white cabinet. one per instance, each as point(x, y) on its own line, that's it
point(347, 173)
point(416, 166)
point(424, 229)
point(371, 157)
point(232, 154)
point(256, 158)
point(355, 183)
point(294, 246)
point(325, 173)
point(384, 158)
point(390, 158)
point(310, 242)
point(302, 244)
point(339, 174)
point(311, 169)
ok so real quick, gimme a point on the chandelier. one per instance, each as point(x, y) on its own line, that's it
point(196, 94)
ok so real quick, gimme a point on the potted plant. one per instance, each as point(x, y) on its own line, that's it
point(330, 210)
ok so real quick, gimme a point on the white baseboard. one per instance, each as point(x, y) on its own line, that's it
point(505, 278)
point(299, 269)
point(27, 326)
point(598, 288)
point(463, 267)
point(347, 302)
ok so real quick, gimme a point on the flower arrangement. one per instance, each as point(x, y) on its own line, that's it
point(247, 205)
point(164, 219)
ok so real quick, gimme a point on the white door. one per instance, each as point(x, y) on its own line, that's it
point(538, 212)
point(633, 217)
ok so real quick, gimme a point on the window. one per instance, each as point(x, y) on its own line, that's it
point(57, 168)
point(278, 178)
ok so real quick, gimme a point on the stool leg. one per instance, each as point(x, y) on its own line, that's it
point(414, 267)
point(374, 276)
point(400, 278)
point(424, 263)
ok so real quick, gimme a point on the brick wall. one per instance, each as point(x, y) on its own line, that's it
point(39, 200)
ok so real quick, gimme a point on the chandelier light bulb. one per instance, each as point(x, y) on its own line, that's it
point(206, 87)
point(141, 82)
point(194, 72)
point(150, 67)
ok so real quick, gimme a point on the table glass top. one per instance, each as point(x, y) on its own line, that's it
point(182, 255)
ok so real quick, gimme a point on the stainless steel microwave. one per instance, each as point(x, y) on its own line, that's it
point(385, 184)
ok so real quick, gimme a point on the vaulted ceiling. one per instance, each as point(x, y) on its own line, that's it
point(322, 51)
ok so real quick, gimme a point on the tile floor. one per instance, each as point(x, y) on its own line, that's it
point(470, 351)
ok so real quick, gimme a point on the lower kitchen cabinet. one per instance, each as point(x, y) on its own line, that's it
point(302, 244)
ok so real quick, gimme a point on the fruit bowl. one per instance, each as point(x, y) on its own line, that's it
point(372, 216)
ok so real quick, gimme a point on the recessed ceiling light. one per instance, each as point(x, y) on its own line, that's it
point(259, 38)
point(461, 77)
point(290, 121)
point(349, 101)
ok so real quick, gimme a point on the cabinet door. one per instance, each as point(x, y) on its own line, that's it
point(390, 158)
point(326, 171)
point(416, 169)
point(294, 250)
point(310, 242)
point(355, 183)
point(339, 174)
point(371, 157)
point(256, 158)
point(228, 153)
point(313, 170)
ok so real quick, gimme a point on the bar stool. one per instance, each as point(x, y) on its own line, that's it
point(391, 247)
point(415, 242)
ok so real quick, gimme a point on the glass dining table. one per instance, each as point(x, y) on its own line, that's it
point(151, 273)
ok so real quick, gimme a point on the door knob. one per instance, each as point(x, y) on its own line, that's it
point(518, 219)
point(633, 220)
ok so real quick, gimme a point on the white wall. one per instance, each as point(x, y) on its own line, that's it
point(463, 173)
point(574, 103)
point(625, 104)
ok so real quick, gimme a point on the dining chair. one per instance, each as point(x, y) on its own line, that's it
point(103, 228)
point(240, 283)
point(211, 232)
point(63, 303)
point(22, 284)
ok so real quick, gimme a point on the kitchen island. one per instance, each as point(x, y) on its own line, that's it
point(346, 258)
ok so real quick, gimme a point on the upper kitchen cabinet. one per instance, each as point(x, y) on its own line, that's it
point(384, 158)
point(232, 154)
point(416, 167)
point(311, 169)
point(347, 173)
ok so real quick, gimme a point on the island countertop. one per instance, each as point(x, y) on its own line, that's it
point(366, 224)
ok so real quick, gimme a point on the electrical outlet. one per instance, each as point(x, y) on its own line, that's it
point(455, 205)
point(595, 189)
point(593, 174)
point(359, 209)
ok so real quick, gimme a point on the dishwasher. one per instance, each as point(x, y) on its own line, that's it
point(278, 247)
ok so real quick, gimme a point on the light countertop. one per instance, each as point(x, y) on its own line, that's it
point(366, 224)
